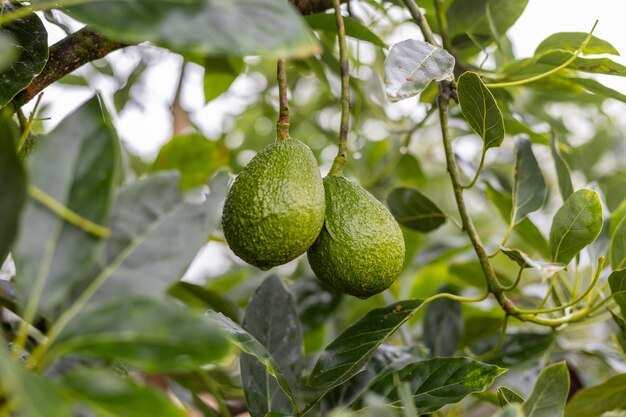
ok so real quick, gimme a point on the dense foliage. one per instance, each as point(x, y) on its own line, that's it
point(507, 175)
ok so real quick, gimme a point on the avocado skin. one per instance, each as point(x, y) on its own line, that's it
point(360, 250)
point(275, 208)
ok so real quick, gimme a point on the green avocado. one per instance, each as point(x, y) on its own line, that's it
point(360, 250)
point(275, 208)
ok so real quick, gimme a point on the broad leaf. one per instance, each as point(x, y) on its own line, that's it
point(109, 394)
point(204, 298)
point(507, 396)
point(596, 87)
point(443, 324)
point(126, 329)
point(562, 170)
point(219, 74)
point(77, 165)
point(591, 65)
point(549, 393)
point(8, 51)
point(511, 410)
point(12, 184)
point(571, 41)
point(617, 282)
point(349, 352)
point(575, 225)
point(473, 16)
point(439, 381)
point(547, 269)
point(617, 248)
point(272, 319)
point(411, 65)
point(529, 187)
point(326, 22)
point(518, 348)
point(315, 302)
point(194, 156)
point(248, 344)
point(30, 38)
point(203, 27)
point(414, 210)
point(480, 109)
point(597, 400)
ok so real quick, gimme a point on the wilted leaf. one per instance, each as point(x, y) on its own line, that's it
point(411, 65)
point(480, 109)
point(575, 225)
point(529, 188)
point(414, 210)
point(549, 393)
point(597, 400)
point(562, 170)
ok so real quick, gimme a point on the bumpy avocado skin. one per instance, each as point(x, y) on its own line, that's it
point(275, 208)
point(360, 250)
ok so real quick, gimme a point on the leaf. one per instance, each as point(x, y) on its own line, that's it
point(571, 41)
point(194, 156)
point(203, 27)
point(512, 126)
point(591, 65)
point(12, 184)
point(597, 400)
point(471, 16)
point(204, 298)
point(547, 269)
point(272, 319)
point(8, 50)
point(326, 22)
point(123, 95)
point(529, 187)
point(109, 394)
point(596, 87)
point(617, 282)
point(248, 344)
point(149, 334)
point(518, 348)
point(438, 381)
point(315, 303)
point(77, 165)
point(562, 170)
point(511, 410)
point(155, 234)
point(219, 74)
point(617, 248)
point(549, 393)
point(349, 352)
point(30, 39)
point(443, 324)
point(507, 396)
point(480, 109)
point(414, 210)
point(411, 65)
point(575, 225)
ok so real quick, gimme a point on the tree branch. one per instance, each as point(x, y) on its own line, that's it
point(313, 6)
point(66, 56)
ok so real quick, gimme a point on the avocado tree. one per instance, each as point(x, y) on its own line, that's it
point(433, 226)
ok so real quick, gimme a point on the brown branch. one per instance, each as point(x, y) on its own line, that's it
point(313, 6)
point(66, 56)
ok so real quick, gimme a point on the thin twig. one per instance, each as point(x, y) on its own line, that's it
point(282, 125)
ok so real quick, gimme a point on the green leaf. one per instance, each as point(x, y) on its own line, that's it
point(480, 109)
point(272, 319)
point(145, 253)
point(411, 65)
point(12, 184)
point(149, 334)
point(325, 22)
point(248, 344)
point(219, 74)
point(349, 352)
point(31, 41)
point(596, 87)
point(617, 248)
point(203, 27)
point(597, 400)
point(123, 95)
point(591, 65)
point(8, 50)
point(562, 170)
point(507, 396)
point(511, 410)
point(547, 269)
point(549, 393)
point(204, 298)
point(571, 41)
point(194, 156)
point(443, 324)
point(617, 282)
point(512, 126)
point(518, 348)
point(529, 187)
point(414, 210)
point(109, 394)
point(438, 381)
point(471, 16)
point(78, 166)
point(315, 302)
point(575, 225)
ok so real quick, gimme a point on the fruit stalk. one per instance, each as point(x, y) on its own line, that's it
point(282, 125)
point(342, 154)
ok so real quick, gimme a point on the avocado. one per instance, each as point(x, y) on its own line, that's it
point(275, 207)
point(360, 250)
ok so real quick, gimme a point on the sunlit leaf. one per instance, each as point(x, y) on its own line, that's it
point(529, 187)
point(591, 65)
point(597, 87)
point(597, 400)
point(414, 210)
point(571, 41)
point(549, 393)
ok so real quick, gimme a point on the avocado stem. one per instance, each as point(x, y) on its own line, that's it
point(282, 125)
